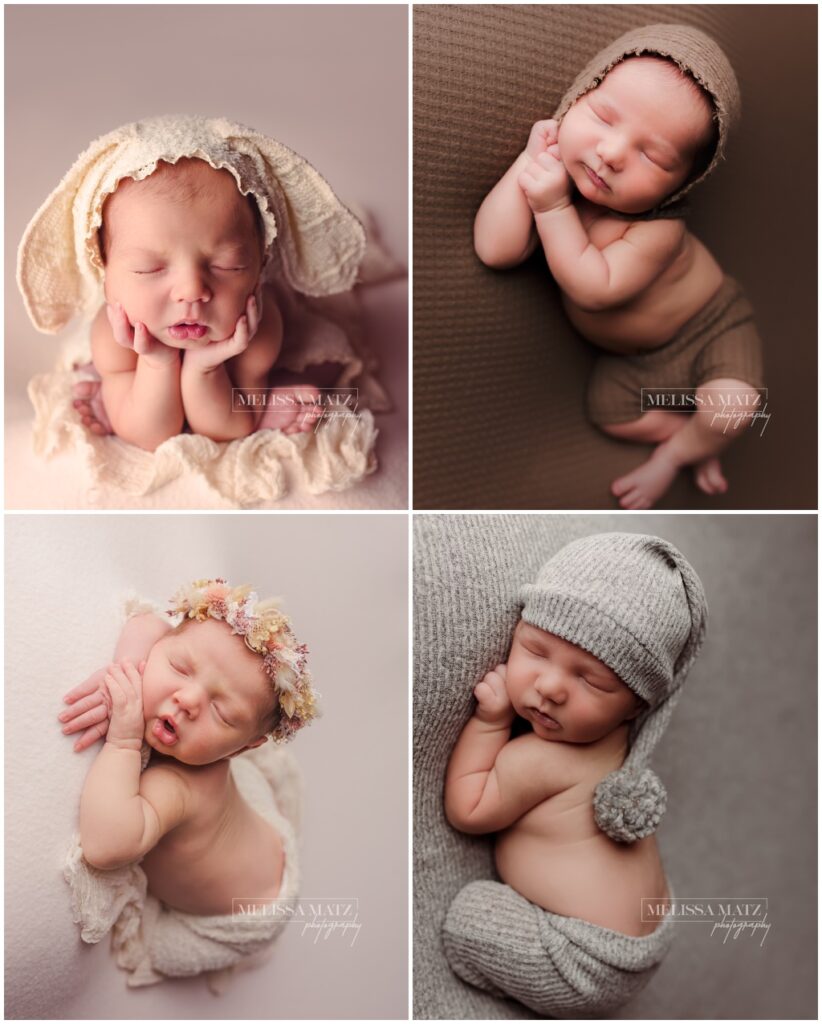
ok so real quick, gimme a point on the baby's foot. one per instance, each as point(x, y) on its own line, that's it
point(294, 410)
point(709, 477)
point(644, 486)
point(88, 401)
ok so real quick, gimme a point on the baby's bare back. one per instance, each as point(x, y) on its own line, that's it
point(224, 851)
point(653, 317)
point(556, 857)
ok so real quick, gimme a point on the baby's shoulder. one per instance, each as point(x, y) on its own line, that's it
point(663, 234)
point(196, 785)
point(534, 758)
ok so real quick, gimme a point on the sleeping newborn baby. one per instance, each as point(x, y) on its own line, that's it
point(599, 187)
point(182, 242)
point(187, 318)
point(193, 697)
point(606, 637)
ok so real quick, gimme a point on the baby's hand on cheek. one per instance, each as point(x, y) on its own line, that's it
point(218, 352)
point(138, 339)
point(546, 184)
point(493, 703)
point(124, 696)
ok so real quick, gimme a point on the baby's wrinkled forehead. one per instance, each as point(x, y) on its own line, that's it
point(190, 183)
point(664, 82)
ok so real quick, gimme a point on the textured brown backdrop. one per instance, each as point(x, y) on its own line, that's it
point(499, 376)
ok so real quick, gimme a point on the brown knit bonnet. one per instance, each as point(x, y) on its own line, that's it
point(693, 51)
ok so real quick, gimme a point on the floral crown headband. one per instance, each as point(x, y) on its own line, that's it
point(267, 632)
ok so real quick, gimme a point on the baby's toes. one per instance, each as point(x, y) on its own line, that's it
point(84, 388)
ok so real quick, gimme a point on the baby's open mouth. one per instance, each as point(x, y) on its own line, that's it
point(165, 731)
point(187, 329)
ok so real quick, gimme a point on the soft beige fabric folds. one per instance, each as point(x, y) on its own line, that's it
point(152, 941)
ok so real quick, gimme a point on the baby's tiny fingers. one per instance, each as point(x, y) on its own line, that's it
point(91, 736)
point(91, 717)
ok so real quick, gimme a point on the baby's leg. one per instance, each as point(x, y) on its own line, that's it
point(697, 443)
point(655, 426)
point(88, 401)
point(498, 941)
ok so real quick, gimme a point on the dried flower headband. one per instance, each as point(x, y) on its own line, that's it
point(267, 632)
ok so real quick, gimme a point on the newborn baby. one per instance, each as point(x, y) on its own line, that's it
point(187, 317)
point(228, 676)
point(598, 188)
point(606, 637)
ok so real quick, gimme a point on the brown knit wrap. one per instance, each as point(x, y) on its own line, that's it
point(694, 52)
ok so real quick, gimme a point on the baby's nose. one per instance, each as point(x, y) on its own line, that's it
point(611, 151)
point(189, 700)
point(552, 684)
point(190, 286)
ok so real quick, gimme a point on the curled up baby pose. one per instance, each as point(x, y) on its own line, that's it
point(600, 188)
point(554, 763)
point(170, 812)
point(173, 236)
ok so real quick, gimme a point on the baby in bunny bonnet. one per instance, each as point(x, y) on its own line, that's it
point(177, 217)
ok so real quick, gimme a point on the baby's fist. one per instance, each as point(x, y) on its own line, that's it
point(493, 704)
point(543, 135)
point(546, 184)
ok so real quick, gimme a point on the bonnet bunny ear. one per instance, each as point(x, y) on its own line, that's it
point(54, 277)
point(320, 242)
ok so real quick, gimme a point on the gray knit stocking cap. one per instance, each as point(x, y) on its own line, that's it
point(638, 606)
point(694, 52)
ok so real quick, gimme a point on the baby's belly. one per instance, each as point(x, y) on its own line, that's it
point(594, 878)
point(654, 317)
point(202, 874)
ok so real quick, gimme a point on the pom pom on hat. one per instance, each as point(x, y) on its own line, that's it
point(628, 805)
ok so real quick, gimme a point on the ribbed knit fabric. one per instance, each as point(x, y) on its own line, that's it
point(499, 373)
point(467, 573)
point(557, 966)
point(720, 341)
point(636, 604)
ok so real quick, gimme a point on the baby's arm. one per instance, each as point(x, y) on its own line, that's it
point(140, 379)
point(492, 780)
point(597, 280)
point(206, 381)
point(504, 225)
point(124, 815)
point(88, 706)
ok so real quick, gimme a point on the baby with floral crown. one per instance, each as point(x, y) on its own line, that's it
point(186, 697)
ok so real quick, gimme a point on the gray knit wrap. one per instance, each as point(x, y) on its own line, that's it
point(638, 606)
point(691, 50)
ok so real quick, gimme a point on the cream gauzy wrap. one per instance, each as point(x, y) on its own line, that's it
point(152, 941)
point(315, 248)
